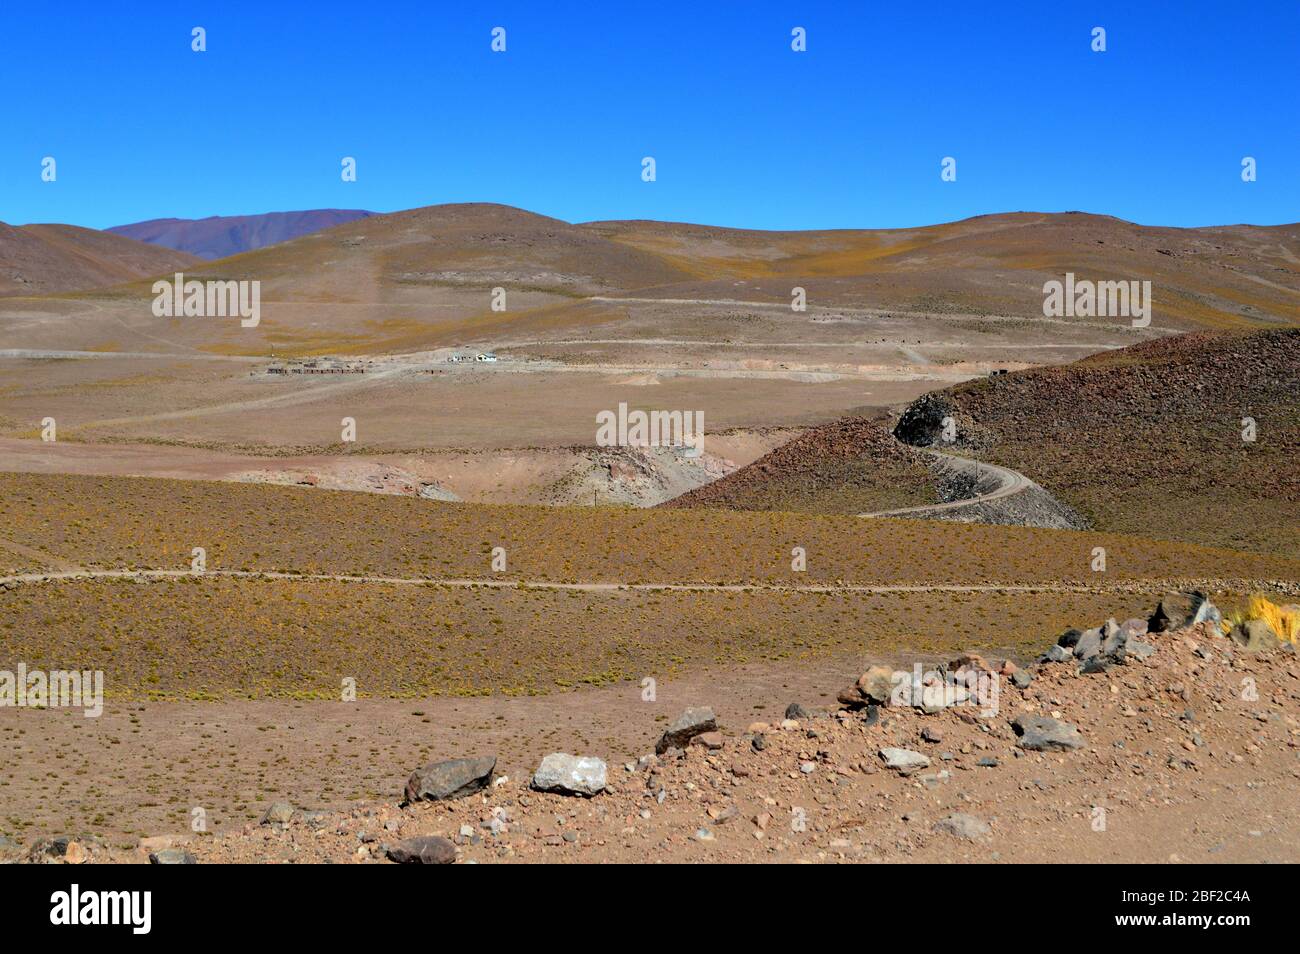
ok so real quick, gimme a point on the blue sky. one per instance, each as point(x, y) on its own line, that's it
point(745, 132)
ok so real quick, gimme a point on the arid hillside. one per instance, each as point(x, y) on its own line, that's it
point(1193, 438)
point(849, 466)
point(219, 236)
point(1222, 277)
point(49, 259)
point(475, 245)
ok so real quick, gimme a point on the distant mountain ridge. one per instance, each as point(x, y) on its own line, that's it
point(219, 236)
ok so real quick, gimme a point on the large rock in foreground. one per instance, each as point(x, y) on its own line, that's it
point(904, 761)
point(454, 778)
point(692, 722)
point(425, 850)
point(1043, 734)
point(1255, 636)
point(570, 774)
point(1181, 610)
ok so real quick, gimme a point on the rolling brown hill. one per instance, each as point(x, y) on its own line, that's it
point(1236, 276)
point(1148, 439)
point(219, 236)
point(49, 259)
point(473, 245)
point(1222, 277)
point(846, 467)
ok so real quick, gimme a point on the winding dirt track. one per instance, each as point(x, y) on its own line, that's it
point(1010, 482)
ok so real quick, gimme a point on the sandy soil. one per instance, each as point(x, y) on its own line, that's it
point(557, 475)
point(1179, 763)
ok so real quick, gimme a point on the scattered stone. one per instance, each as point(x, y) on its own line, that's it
point(904, 761)
point(280, 813)
point(758, 742)
point(454, 778)
point(877, 685)
point(172, 856)
point(932, 733)
point(1133, 627)
point(1113, 638)
point(688, 725)
point(1255, 636)
point(1136, 649)
point(570, 774)
point(710, 740)
point(730, 813)
point(796, 711)
point(851, 698)
point(1069, 639)
point(1181, 610)
point(934, 699)
point(1089, 645)
point(1043, 734)
point(963, 826)
point(1059, 654)
point(1021, 678)
point(75, 854)
point(424, 850)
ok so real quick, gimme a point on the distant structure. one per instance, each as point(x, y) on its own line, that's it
point(319, 366)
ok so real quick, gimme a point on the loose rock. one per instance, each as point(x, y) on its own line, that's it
point(425, 850)
point(688, 725)
point(570, 774)
point(454, 778)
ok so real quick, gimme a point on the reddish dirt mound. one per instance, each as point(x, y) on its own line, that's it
point(848, 466)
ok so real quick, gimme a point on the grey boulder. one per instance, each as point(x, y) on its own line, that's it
point(1043, 734)
point(1255, 636)
point(961, 825)
point(694, 721)
point(172, 856)
point(904, 761)
point(454, 778)
point(424, 850)
point(570, 774)
point(1180, 610)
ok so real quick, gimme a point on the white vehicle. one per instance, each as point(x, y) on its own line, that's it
point(486, 356)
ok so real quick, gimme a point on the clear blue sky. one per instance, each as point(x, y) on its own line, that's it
point(745, 132)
